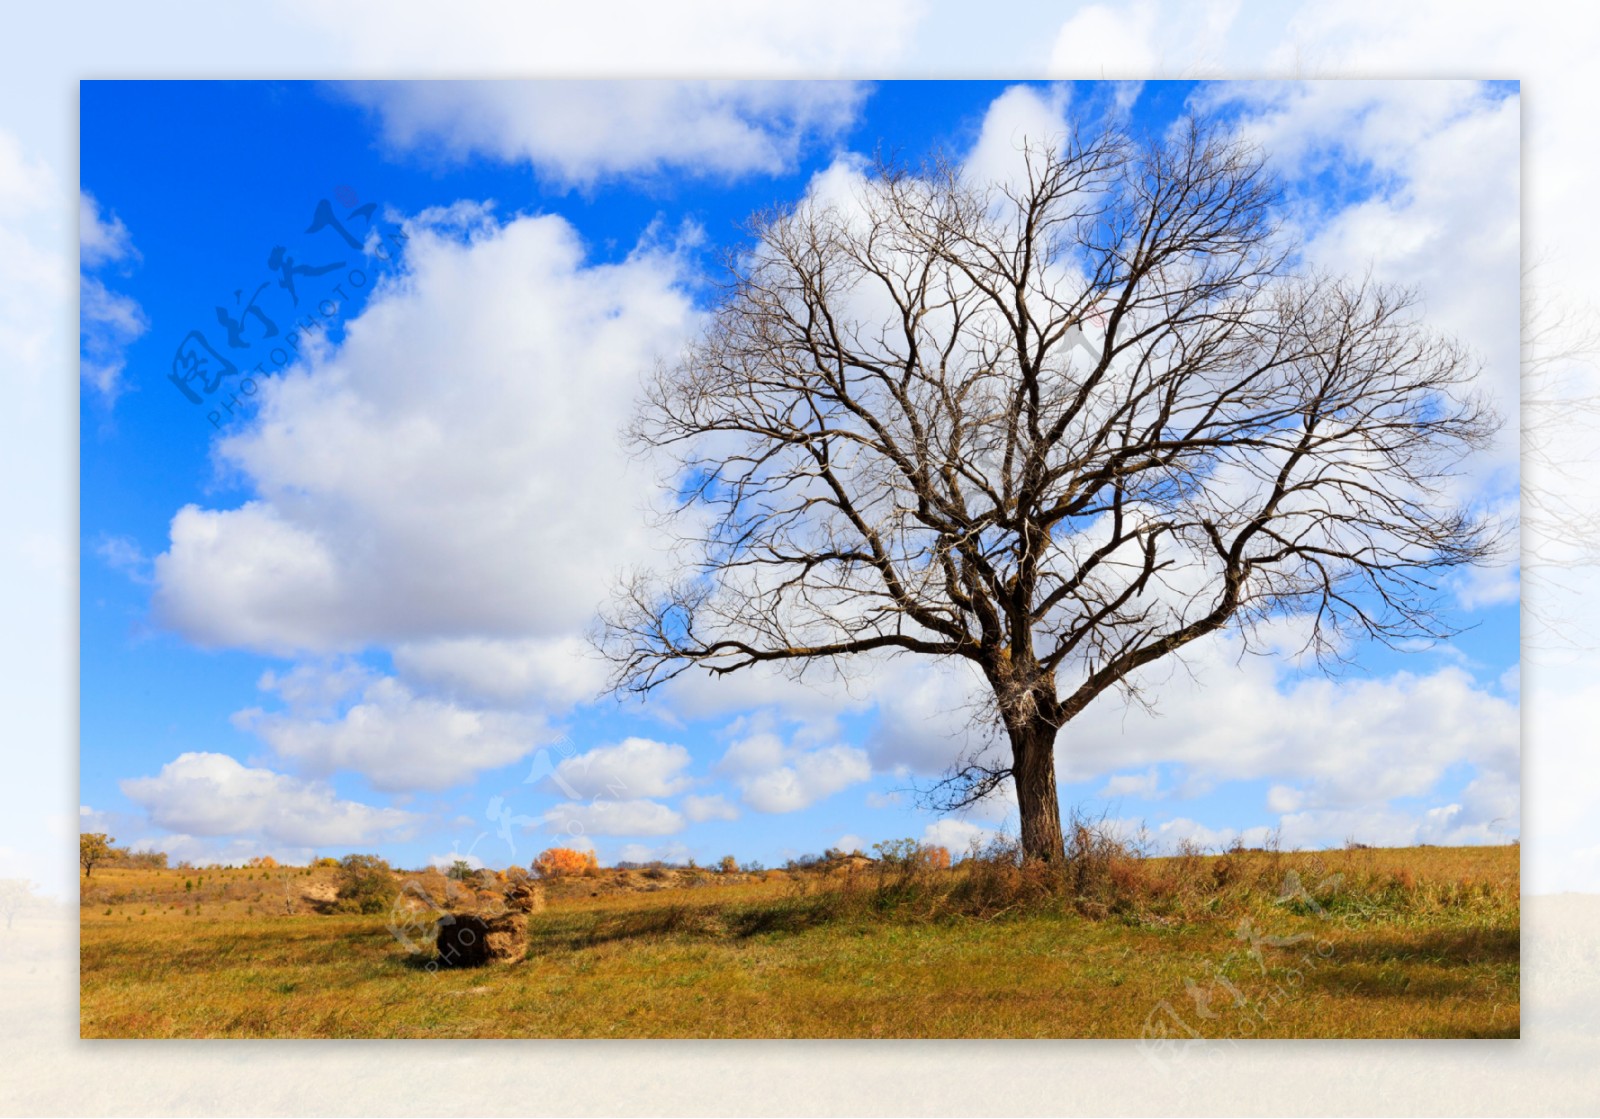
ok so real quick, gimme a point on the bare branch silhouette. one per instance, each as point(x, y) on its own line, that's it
point(1060, 427)
point(1560, 453)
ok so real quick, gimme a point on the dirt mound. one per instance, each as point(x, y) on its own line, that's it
point(469, 940)
point(320, 896)
point(851, 864)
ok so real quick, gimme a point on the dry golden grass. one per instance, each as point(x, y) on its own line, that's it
point(1419, 942)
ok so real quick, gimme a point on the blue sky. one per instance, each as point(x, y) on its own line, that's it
point(559, 233)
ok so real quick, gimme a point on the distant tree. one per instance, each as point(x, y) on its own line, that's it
point(935, 857)
point(1057, 428)
point(898, 852)
point(145, 860)
point(562, 862)
point(266, 862)
point(16, 895)
point(728, 865)
point(366, 884)
point(94, 848)
point(460, 870)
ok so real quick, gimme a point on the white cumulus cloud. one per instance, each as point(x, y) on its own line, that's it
point(206, 794)
point(108, 321)
point(613, 817)
point(713, 807)
point(101, 239)
point(1145, 784)
point(398, 740)
point(452, 471)
point(799, 779)
point(726, 38)
point(628, 770)
point(555, 672)
point(957, 836)
point(580, 131)
point(1021, 119)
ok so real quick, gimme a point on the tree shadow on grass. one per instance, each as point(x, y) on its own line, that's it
point(1512, 1032)
point(1443, 947)
point(1446, 965)
point(786, 917)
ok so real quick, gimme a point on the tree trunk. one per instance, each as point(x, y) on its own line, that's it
point(1033, 755)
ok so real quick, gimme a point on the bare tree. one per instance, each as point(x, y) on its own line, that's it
point(1560, 343)
point(1061, 427)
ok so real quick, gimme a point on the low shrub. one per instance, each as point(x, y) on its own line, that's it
point(366, 885)
point(564, 862)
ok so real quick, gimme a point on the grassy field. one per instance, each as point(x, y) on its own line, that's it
point(1417, 942)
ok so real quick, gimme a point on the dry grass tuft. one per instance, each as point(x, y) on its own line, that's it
point(1110, 877)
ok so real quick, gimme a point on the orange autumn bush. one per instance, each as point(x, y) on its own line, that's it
point(562, 862)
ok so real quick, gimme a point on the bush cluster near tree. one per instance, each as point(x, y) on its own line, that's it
point(366, 885)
